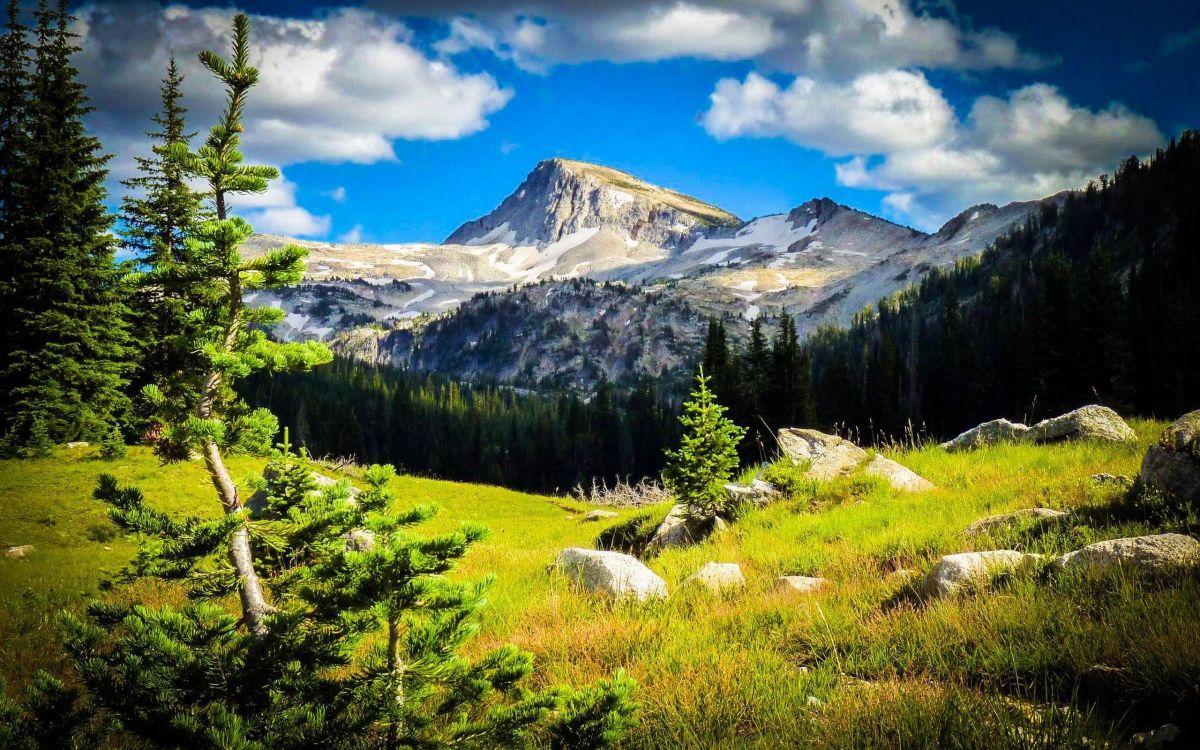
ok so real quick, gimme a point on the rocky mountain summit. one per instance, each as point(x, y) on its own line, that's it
point(569, 220)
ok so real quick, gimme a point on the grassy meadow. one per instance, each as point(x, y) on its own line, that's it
point(1034, 661)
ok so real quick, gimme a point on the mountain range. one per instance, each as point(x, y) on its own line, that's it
point(663, 261)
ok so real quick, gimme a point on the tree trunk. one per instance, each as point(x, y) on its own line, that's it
point(396, 667)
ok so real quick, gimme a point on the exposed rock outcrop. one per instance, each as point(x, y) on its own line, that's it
point(758, 493)
point(1092, 422)
point(680, 529)
point(1000, 520)
point(995, 431)
point(827, 456)
point(1173, 466)
point(612, 574)
point(717, 577)
point(1154, 552)
point(900, 477)
point(953, 572)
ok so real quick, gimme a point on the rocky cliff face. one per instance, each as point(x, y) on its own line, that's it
point(561, 198)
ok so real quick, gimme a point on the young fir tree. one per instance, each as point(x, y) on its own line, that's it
point(707, 453)
point(68, 352)
point(157, 218)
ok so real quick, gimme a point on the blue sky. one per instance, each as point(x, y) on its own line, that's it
point(395, 121)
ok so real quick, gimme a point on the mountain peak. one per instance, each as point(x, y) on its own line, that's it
point(561, 197)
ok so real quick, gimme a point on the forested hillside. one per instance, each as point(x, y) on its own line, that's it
point(434, 426)
point(1096, 301)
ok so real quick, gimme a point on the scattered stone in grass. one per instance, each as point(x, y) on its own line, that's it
point(77, 444)
point(1000, 520)
point(995, 431)
point(801, 584)
point(681, 528)
point(900, 477)
point(611, 574)
point(1157, 739)
point(1152, 552)
point(1092, 422)
point(1105, 478)
point(900, 574)
point(717, 577)
point(953, 572)
point(599, 515)
point(814, 701)
point(758, 493)
point(359, 540)
point(19, 551)
point(827, 456)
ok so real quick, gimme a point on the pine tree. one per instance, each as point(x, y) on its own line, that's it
point(707, 453)
point(14, 114)
point(157, 218)
point(229, 336)
point(69, 351)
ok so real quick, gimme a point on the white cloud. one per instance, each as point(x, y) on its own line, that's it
point(338, 89)
point(903, 137)
point(337, 194)
point(353, 236)
point(838, 38)
point(276, 211)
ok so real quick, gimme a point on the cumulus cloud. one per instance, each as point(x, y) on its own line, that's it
point(902, 136)
point(277, 211)
point(337, 194)
point(353, 236)
point(832, 37)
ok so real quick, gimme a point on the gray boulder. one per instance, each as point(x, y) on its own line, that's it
point(1157, 739)
point(681, 529)
point(799, 584)
point(900, 477)
point(827, 456)
point(1173, 466)
point(1000, 520)
point(995, 431)
point(758, 493)
point(1153, 552)
point(717, 577)
point(1092, 422)
point(972, 568)
point(612, 574)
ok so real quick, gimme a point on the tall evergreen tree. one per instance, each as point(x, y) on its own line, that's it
point(70, 349)
point(707, 454)
point(157, 217)
point(14, 115)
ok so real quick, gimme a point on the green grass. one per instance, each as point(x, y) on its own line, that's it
point(1035, 661)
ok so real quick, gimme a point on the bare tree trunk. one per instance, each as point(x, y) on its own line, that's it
point(396, 667)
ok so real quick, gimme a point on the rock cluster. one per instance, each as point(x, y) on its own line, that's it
point(1091, 422)
point(681, 528)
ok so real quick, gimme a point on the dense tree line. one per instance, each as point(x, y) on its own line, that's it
point(1095, 299)
point(766, 384)
point(431, 425)
point(66, 350)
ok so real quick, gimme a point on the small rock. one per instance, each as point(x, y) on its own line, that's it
point(1092, 422)
point(359, 540)
point(995, 431)
point(717, 577)
point(814, 701)
point(599, 515)
point(801, 584)
point(954, 571)
point(757, 493)
point(900, 574)
point(1104, 478)
point(828, 456)
point(1157, 739)
point(992, 523)
point(900, 477)
point(78, 444)
point(19, 551)
point(1151, 552)
point(1173, 466)
point(611, 574)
